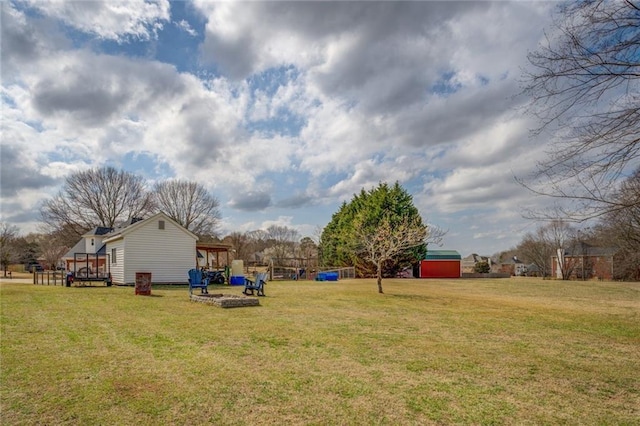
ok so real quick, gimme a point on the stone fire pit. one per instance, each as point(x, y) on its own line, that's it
point(225, 300)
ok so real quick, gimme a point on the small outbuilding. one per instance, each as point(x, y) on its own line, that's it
point(156, 245)
point(441, 264)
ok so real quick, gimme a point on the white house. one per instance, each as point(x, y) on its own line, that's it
point(157, 245)
point(87, 257)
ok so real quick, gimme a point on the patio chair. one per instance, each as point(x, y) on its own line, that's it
point(197, 280)
point(256, 285)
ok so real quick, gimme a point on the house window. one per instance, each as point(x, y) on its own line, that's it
point(161, 224)
point(113, 256)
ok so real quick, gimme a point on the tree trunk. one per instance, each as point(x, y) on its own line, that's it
point(380, 277)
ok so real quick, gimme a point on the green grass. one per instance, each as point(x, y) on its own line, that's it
point(511, 351)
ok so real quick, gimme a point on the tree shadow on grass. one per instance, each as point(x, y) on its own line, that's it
point(415, 297)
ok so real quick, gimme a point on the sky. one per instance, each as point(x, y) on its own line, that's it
point(283, 110)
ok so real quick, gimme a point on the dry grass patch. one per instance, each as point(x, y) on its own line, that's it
point(426, 352)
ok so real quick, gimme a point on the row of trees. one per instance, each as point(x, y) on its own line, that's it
point(618, 229)
point(27, 249)
point(279, 244)
point(107, 196)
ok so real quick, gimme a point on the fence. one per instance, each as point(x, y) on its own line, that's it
point(49, 278)
point(343, 273)
point(290, 273)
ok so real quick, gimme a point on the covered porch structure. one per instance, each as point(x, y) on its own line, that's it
point(213, 255)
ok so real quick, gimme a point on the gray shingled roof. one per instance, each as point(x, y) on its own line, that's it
point(584, 249)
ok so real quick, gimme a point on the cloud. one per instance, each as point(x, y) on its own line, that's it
point(113, 20)
point(186, 27)
point(111, 105)
point(296, 201)
point(251, 201)
point(25, 40)
point(19, 173)
point(89, 105)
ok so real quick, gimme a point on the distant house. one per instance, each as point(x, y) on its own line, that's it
point(534, 270)
point(156, 245)
point(441, 264)
point(88, 256)
point(468, 263)
point(513, 267)
point(585, 262)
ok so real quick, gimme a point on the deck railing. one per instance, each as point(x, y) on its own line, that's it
point(49, 278)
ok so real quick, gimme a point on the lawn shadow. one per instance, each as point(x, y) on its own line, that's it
point(415, 297)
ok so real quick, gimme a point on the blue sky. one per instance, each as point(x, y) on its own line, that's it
point(283, 110)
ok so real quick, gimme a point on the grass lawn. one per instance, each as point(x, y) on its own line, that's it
point(510, 351)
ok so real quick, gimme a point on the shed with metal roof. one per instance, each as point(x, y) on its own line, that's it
point(441, 264)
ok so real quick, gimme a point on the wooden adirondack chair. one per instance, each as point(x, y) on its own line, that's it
point(197, 280)
point(257, 285)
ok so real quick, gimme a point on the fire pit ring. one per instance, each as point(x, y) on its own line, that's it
point(225, 300)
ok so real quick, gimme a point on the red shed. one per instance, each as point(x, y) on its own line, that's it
point(441, 264)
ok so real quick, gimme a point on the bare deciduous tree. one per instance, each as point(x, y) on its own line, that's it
point(537, 248)
point(97, 197)
point(242, 244)
point(556, 238)
point(51, 249)
point(8, 234)
point(563, 238)
point(189, 204)
point(621, 229)
point(283, 240)
point(389, 239)
point(585, 85)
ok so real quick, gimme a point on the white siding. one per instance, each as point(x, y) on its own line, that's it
point(117, 269)
point(167, 253)
point(97, 243)
point(88, 248)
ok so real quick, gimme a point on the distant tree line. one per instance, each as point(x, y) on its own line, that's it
point(27, 249)
point(618, 229)
point(277, 244)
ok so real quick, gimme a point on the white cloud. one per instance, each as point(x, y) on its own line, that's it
point(186, 27)
point(113, 20)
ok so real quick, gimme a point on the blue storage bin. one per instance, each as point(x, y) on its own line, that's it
point(237, 280)
point(327, 276)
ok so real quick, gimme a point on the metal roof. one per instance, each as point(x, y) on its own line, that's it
point(442, 255)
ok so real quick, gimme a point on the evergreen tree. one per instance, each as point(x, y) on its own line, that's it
point(341, 240)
